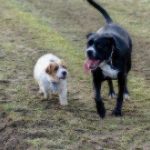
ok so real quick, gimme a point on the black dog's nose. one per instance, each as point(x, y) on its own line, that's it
point(90, 53)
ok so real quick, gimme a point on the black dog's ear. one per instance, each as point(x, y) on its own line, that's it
point(120, 43)
point(110, 41)
point(89, 34)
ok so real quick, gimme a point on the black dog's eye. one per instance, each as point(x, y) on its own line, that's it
point(90, 43)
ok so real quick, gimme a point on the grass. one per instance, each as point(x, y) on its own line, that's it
point(28, 30)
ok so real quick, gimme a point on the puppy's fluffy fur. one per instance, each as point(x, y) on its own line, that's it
point(51, 76)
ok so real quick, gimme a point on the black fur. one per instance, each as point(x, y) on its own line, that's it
point(110, 37)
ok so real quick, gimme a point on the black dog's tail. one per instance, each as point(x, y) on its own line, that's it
point(101, 10)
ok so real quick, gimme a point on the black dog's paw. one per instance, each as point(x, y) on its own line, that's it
point(126, 96)
point(117, 113)
point(100, 109)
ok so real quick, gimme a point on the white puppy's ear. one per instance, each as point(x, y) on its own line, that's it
point(49, 69)
point(52, 68)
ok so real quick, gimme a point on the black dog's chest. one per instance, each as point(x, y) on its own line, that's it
point(99, 75)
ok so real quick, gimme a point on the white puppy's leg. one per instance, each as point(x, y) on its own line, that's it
point(46, 95)
point(49, 94)
point(63, 93)
point(40, 91)
point(45, 92)
point(40, 88)
point(43, 89)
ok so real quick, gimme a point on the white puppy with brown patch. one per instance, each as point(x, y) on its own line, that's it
point(51, 75)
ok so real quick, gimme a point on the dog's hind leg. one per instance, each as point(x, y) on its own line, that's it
point(126, 92)
point(111, 93)
point(63, 93)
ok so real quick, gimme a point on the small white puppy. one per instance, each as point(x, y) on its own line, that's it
point(51, 75)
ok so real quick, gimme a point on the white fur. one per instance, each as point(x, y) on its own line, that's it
point(100, 30)
point(112, 96)
point(46, 84)
point(126, 96)
point(108, 71)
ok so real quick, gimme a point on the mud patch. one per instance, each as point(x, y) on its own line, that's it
point(10, 138)
point(15, 143)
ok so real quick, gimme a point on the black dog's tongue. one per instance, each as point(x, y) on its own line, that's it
point(91, 64)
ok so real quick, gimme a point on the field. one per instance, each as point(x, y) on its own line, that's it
point(31, 28)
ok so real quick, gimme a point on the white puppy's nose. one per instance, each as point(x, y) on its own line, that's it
point(64, 73)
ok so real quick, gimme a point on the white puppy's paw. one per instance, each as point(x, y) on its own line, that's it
point(46, 96)
point(40, 91)
point(63, 102)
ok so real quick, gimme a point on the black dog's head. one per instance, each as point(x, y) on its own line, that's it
point(99, 49)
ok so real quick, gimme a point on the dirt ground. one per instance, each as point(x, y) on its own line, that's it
point(31, 28)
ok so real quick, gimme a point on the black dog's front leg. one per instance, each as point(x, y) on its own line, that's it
point(98, 100)
point(121, 85)
point(111, 93)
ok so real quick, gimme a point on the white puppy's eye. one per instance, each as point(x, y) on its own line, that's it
point(56, 68)
point(64, 66)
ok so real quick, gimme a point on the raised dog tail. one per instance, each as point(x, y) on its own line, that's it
point(101, 10)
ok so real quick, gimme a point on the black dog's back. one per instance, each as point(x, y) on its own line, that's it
point(120, 35)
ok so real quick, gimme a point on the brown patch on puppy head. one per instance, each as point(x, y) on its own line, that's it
point(52, 70)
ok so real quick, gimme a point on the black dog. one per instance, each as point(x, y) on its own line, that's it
point(109, 57)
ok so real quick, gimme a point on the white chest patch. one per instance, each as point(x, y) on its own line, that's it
point(108, 71)
point(54, 87)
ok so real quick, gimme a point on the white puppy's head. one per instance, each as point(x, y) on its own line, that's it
point(57, 71)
